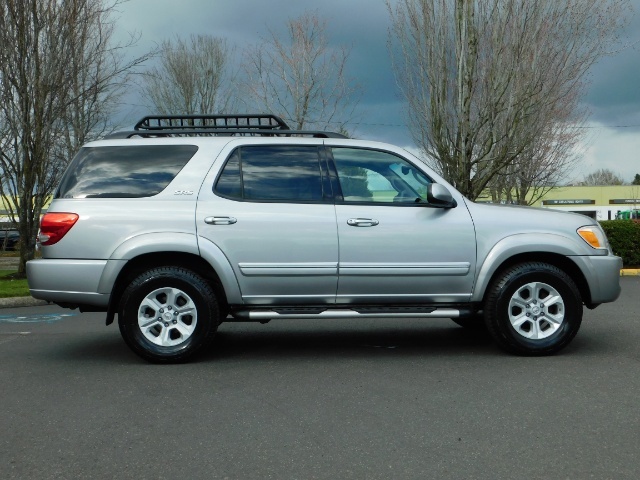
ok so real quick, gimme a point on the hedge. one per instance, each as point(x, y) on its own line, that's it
point(624, 237)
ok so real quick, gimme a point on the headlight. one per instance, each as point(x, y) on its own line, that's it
point(594, 236)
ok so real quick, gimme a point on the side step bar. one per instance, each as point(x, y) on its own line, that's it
point(364, 312)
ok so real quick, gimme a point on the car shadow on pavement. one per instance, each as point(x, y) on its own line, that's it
point(109, 348)
point(251, 342)
point(284, 342)
point(327, 341)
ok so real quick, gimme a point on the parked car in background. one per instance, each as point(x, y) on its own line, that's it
point(9, 239)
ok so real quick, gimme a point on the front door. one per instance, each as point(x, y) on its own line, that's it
point(394, 248)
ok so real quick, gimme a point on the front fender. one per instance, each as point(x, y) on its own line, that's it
point(525, 243)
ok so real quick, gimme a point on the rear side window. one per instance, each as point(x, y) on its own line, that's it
point(272, 173)
point(123, 172)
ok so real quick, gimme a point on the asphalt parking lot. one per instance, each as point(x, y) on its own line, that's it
point(306, 399)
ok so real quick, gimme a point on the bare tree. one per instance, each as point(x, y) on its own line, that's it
point(543, 165)
point(59, 71)
point(302, 78)
point(493, 84)
point(99, 70)
point(194, 77)
point(602, 176)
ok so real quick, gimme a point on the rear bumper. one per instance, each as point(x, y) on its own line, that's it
point(67, 281)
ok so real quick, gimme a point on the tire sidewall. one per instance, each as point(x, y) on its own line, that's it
point(572, 310)
point(190, 284)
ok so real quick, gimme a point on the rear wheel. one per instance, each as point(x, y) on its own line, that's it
point(533, 309)
point(169, 314)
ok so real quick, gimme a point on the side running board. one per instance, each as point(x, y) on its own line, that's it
point(260, 315)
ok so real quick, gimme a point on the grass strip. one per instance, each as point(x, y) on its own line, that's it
point(10, 287)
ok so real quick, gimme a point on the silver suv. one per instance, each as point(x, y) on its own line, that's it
point(187, 222)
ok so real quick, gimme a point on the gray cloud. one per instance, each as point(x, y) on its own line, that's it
point(613, 96)
point(360, 25)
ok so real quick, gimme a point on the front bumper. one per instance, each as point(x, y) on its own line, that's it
point(603, 276)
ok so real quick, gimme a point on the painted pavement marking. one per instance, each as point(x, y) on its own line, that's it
point(37, 318)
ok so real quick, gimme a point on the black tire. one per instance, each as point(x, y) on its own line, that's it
point(185, 310)
point(517, 319)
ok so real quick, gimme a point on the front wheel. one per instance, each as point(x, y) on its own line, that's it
point(168, 315)
point(533, 309)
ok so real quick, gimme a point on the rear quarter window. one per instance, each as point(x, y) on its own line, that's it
point(123, 172)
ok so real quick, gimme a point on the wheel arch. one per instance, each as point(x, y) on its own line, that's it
point(227, 291)
point(560, 261)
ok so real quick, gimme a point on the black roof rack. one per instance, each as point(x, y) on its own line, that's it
point(216, 125)
point(191, 122)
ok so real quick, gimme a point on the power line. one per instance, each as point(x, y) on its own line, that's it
point(611, 126)
point(406, 126)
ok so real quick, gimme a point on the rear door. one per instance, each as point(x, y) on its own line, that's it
point(269, 209)
point(394, 248)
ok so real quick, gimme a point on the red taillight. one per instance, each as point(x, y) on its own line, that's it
point(54, 226)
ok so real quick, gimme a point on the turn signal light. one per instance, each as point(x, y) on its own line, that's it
point(54, 226)
point(593, 236)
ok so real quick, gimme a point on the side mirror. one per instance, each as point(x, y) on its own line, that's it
point(439, 196)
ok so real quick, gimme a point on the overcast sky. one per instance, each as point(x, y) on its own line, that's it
point(613, 98)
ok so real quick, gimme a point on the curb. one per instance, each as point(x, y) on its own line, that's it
point(630, 272)
point(11, 302)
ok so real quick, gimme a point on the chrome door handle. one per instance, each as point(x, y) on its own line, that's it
point(220, 220)
point(362, 222)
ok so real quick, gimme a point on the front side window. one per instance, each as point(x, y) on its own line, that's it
point(123, 172)
point(272, 173)
point(379, 177)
